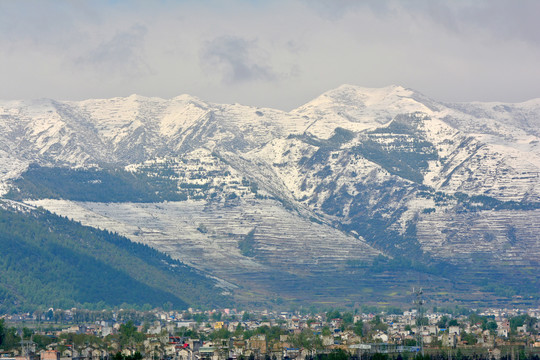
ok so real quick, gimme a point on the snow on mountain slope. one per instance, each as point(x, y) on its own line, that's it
point(133, 129)
point(356, 108)
point(351, 174)
point(497, 117)
point(505, 237)
point(180, 114)
point(206, 236)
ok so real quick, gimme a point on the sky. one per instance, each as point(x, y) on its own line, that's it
point(278, 54)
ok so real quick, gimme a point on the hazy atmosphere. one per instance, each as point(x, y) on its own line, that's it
point(268, 53)
point(269, 180)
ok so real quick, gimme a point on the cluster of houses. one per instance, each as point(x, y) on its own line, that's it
point(192, 335)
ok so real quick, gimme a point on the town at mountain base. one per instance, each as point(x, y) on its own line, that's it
point(221, 334)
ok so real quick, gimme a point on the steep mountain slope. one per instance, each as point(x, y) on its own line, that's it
point(50, 261)
point(317, 193)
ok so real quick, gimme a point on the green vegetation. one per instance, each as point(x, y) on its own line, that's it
point(2, 331)
point(247, 244)
point(325, 147)
point(119, 356)
point(128, 334)
point(404, 157)
point(97, 185)
point(402, 152)
point(333, 314)
point(358, 328)
point(220, 334)
point(484, 202)
point(48, 260)
point(200, 318)
point(469, 338)
point(480, 320)
point(378, 324)
point(341, 136)
point(9, 338)
point(398, 263)
point(306, 339)
point(272, 333)
point(522, 320)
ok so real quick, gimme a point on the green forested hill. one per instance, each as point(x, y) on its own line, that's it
point(101, 185)
point(46, 260)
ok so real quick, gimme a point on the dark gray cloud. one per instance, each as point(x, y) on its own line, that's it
point(510, 20)
point(122, 54)
point(506, 19)
point(238, 59)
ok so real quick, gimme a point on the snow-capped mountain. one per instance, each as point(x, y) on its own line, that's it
point(269, 197)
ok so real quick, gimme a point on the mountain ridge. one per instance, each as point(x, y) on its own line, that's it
point(374, 171)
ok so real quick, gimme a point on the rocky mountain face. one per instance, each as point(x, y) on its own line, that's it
point(351, 197)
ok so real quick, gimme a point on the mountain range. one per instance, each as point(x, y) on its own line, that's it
point(354, 197)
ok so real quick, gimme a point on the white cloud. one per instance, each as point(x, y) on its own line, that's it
point(269, 53)
point(121, 55)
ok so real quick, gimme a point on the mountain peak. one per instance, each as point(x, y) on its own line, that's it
point(186, 98)
point(369, 94)
point(351, 98)
point(351, 87)
point(356, 96)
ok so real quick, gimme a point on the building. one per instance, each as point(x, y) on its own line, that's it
point(49, 355)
